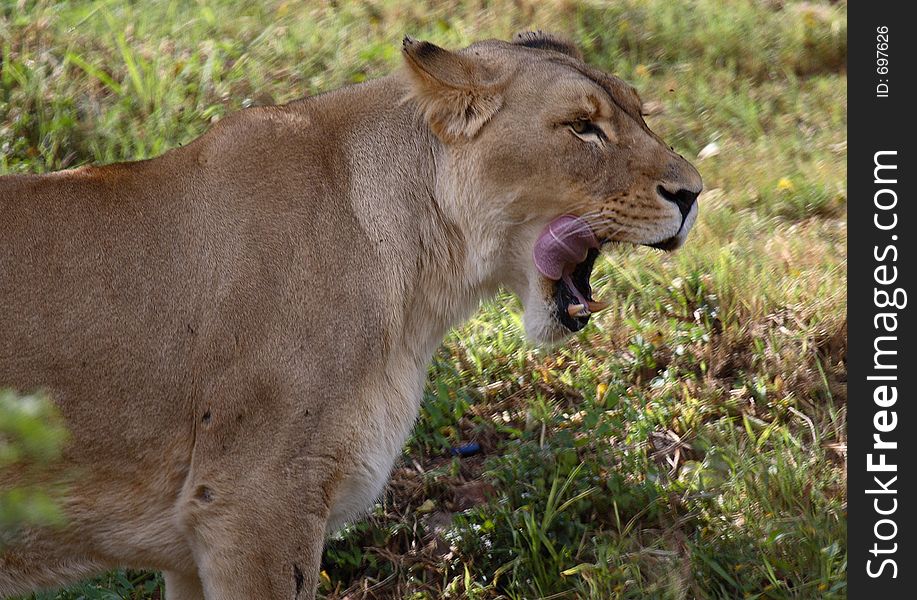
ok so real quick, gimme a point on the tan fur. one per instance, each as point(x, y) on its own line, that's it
point(237, 332)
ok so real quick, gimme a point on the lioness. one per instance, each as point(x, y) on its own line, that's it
point(237, 332)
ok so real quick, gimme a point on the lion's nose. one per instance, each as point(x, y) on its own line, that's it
point(682, 198)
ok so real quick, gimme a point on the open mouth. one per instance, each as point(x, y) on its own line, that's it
point(573, 303)
point(565, 253)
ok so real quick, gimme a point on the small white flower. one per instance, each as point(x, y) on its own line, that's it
point(711, 149)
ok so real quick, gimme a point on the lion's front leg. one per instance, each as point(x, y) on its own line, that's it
point(260, 538)
point(256, 501)
point(263, 560)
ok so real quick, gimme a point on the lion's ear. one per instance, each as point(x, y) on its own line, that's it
point(546, 41)
point(456, 93)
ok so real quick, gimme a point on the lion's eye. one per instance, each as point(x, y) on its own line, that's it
point(587, 130)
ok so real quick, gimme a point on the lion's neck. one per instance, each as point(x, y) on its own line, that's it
point(440, 260)
point(456, 264)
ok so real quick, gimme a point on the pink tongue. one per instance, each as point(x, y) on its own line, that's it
point(562, 245)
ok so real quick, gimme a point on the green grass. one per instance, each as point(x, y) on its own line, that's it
point(691, 442)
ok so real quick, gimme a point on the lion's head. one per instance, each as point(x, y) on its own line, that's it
point(548, 159)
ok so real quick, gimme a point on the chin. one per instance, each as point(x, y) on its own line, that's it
point(678, 240)
point(543, 329)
